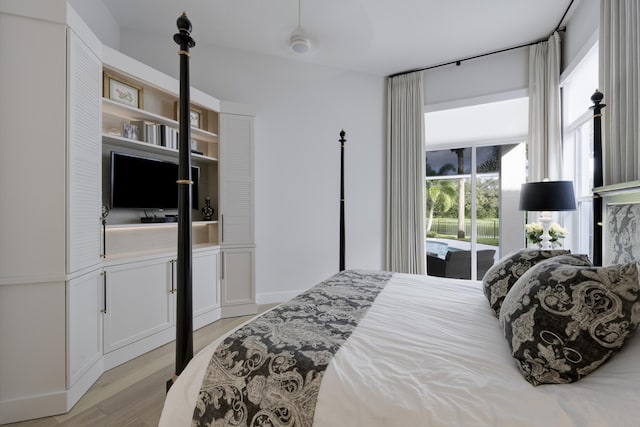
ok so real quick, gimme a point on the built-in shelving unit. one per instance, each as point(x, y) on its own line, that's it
point(79, 309)
point(151, 129)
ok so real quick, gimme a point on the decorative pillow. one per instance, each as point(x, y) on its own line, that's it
point(503, 275)
point(564, 321)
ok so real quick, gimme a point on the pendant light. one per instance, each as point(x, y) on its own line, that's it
point(299, 42)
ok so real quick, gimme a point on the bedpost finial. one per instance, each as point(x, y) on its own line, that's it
point(597, 97)
point(183, 37)
point(184, 24)
point(342, 134)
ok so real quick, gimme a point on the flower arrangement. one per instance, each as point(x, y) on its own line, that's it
point(535, 230)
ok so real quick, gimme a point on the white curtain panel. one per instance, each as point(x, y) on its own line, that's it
point(619, 80)
point(545, 146)
point(405, 235)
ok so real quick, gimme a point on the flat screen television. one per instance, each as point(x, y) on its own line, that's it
point(145, 183)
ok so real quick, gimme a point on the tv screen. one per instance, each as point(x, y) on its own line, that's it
point(145, 183)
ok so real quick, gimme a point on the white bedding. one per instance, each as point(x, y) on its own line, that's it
point(430, 352)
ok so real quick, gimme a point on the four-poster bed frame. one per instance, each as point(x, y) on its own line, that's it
point(184, 302)
point(273, 369)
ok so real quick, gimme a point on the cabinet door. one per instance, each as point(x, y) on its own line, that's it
point(236, 179)
point(32, 147)
point(84, 324)
point(83, 151)
point(238, 289)
point(139, 301)
point(205, 282)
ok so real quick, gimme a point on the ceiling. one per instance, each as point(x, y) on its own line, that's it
point(379, 37)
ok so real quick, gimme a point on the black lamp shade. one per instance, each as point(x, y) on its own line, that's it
point(547, 196)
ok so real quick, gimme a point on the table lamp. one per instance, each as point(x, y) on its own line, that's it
point(544, 197)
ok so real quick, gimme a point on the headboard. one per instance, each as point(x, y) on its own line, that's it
point(620, 222)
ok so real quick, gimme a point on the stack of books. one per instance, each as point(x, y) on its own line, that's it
point(157, 134)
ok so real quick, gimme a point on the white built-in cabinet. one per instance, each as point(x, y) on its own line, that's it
point(83, 155)
point(127, 288)
point(238, 293)
point(77, 299)
point(151, 283)
point(236, 179)
point(84, 329)
point(236, 214)
point(50, 331)
point(206, 292)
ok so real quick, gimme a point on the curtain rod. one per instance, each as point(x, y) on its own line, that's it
point(459, 61)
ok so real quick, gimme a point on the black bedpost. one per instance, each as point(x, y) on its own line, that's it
point(184, 316)
point(597, 176)
point(342, 141)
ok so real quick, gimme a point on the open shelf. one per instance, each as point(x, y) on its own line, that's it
point(130, 113)
point(137, 240)
point(119, 141)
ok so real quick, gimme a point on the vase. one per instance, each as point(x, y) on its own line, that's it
point(207, 210)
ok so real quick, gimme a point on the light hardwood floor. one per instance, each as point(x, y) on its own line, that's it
point(133, 393)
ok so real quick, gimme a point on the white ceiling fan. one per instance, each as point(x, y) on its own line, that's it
point(299, 42)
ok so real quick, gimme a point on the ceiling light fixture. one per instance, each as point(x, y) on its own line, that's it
point(299, 42)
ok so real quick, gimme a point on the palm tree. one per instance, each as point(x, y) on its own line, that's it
point(439, 191)
point(460, 153)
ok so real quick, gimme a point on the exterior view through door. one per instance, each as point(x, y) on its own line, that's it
point(463, 198)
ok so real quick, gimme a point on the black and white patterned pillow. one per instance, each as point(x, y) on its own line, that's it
point(564, 321)
point(503, 275)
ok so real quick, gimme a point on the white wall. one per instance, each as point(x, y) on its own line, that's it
point(582, 25)
point(95, 14)
point(301, 109)
point(507, 71)
point(478, 78)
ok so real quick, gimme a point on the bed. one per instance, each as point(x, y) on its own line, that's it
point(430, 352)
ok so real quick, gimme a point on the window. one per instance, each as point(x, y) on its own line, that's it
point(474, 157)
point(577, 88)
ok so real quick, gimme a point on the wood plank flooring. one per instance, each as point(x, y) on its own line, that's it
point(132, 394)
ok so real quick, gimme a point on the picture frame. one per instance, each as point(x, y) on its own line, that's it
point(196, 116)
point(122, 92)
point(130, 131)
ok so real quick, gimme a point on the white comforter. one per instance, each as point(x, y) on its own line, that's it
point(430, 352)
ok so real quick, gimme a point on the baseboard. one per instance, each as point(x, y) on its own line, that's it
point(130, 351)
point(28, 408)
point(276, 297)
point(239, 310)
point(84, 383)
point(203, 319)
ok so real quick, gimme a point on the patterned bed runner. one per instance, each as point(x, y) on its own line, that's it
point(268, 372)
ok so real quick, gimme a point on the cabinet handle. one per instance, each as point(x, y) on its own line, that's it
point(221, 265)
point(104, 292)
point(222, 228)
point(173, 275)
point(104, 238)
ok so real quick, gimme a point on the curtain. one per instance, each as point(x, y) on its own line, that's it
point(405, 228)
point(619, 79)
point(545, 146)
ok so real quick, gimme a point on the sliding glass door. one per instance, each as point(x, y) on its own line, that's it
point(463, 197)
point(475, 163)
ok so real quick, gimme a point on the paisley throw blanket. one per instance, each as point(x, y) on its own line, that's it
point(268, 373)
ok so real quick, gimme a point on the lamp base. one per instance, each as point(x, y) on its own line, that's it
point(545, 219)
